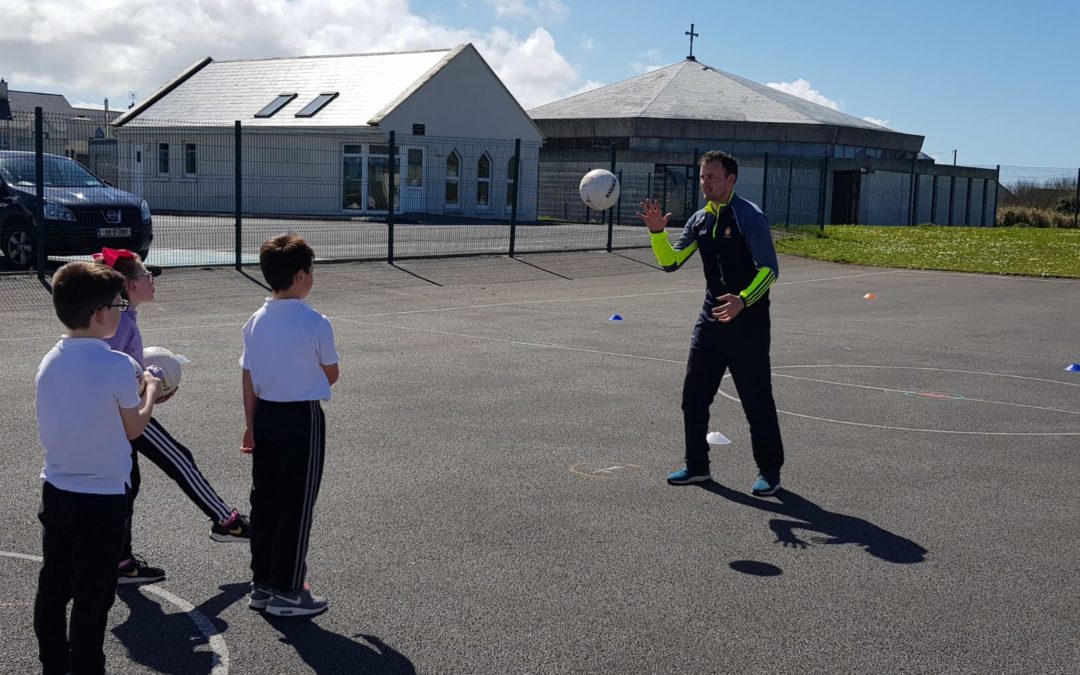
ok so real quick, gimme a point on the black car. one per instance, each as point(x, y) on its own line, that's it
point(82, 212)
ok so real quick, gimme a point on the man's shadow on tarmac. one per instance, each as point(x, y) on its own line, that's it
point(322, 650)
point(837, 528)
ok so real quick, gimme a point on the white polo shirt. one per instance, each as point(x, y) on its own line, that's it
point(286, 343)
point(81, 386)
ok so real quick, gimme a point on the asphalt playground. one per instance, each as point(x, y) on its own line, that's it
point(494, 497)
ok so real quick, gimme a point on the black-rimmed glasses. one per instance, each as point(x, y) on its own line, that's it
point(122, 305)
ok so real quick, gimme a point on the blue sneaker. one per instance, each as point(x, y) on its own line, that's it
point(766, 484)
point(686, 477)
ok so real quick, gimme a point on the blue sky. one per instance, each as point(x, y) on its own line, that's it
point(999, 82)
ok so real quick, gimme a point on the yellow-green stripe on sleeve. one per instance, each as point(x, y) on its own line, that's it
point(758, 287)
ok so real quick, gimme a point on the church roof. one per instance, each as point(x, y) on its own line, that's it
point(694, 91)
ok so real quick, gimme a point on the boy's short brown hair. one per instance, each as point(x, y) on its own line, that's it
point(80, 288)
point(282, 257)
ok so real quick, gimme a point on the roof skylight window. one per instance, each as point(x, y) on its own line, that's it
point(277, 104)
point(317, 104)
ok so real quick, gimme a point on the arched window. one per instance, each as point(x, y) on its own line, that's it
point(453, 177)
point(483, 181)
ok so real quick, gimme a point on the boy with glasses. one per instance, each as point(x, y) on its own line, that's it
point(88, 409)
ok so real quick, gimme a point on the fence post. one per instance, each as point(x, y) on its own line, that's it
point(39, 203)
point(997, 192)
point(238, 181)
point(514, 196)
point(765, 188)
point(696, 178)
point(952, 196)
point(824, 191)
point(982, 211)
point(967, 204)
point(611, 212)
point(1076, 206)
point(618, 204)
point(790, 175)
point(933, 198)
point(913, 188)
point(390, 205)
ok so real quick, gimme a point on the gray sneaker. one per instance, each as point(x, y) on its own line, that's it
point(259, 597)
point(297, 603)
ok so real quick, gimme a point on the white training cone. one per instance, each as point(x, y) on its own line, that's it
point(717, 438)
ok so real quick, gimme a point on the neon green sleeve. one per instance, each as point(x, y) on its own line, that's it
point(757, 288)
point(671, 257)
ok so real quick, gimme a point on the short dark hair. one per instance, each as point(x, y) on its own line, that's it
point(281, 257)
point(731, 167)
point(80, 288)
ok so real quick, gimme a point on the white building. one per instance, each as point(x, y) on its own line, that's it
point(314, 137)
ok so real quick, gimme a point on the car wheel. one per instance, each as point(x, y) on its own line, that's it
point(18, 245)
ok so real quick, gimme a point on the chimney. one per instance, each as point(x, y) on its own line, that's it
point(3, 89)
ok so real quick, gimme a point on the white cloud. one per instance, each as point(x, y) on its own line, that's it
point(540, 11)
point(802, 89)
point(91, 49)
point(588, 86)
point(874, 120)
point(587, 43)
point(648, 61)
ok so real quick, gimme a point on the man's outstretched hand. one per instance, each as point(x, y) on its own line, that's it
point(649, 213)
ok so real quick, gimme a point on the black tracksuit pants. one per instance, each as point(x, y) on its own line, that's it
point(741, 346)
point(81, 538)
point(172, 457)
point(286, 472)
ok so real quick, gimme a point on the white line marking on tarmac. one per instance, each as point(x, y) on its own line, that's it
point(213, 636)
point(173, 329)
point(547, 345)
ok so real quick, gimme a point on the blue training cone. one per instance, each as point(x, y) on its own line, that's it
point(1073, 367)
point(614, 317)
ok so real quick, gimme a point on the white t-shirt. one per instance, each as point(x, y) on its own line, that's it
point(286, 343)
point(81, 386)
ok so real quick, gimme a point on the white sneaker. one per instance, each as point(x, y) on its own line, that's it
point(298, 603)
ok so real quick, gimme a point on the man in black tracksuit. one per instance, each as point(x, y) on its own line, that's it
point(732, 330)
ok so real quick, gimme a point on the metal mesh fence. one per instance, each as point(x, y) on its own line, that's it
point(217, 191)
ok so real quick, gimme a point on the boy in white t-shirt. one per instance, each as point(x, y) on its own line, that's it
point(88, 409)
point(289, 363)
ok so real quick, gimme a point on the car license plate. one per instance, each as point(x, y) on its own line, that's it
point(114, 232)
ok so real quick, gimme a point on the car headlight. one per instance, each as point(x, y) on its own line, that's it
point(54, 211)
point(144, 209)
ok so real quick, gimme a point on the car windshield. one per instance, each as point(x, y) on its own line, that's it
point(59, 172)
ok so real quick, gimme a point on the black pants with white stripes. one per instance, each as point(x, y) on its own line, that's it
point(176, 461)
point(286, 471)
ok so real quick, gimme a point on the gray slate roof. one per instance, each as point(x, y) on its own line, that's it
point(694, 91)
point(51, 104)
point(223, 91)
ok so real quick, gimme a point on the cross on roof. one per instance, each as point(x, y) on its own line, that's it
point(692, 35)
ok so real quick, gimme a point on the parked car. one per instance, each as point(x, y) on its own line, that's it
point(82, 212)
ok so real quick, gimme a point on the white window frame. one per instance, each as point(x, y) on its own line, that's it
point(168, 158)
point(455, 179)
point(484, 180)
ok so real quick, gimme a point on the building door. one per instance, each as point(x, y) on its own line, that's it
point(674, 187)
point(412, 179)
point(845, 197)
point(378, 182)
point(137, 169)
point(352, 178)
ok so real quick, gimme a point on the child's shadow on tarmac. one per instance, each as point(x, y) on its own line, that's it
point(322, 650)
point(176, 653)
point(837, 528)
point(327, 652)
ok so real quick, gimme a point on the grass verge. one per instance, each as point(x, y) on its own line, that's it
point(1050, 252)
